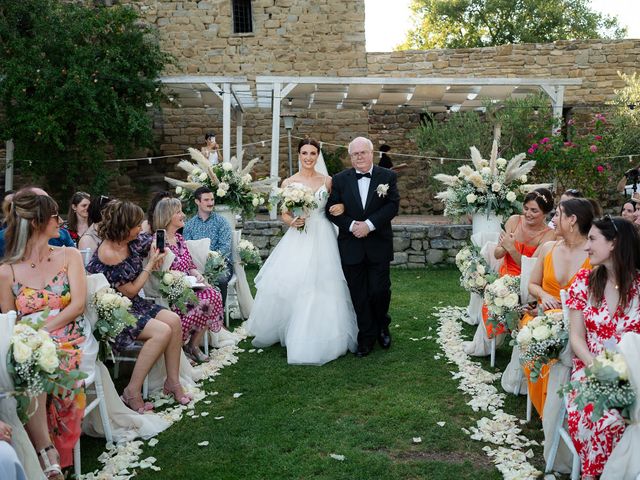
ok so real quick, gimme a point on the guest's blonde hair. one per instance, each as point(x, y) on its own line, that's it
point(165, 209)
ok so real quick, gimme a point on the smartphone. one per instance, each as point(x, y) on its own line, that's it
point(160, 240)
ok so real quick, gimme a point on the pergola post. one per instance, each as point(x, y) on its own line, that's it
point(226, 121)
point(556, 94)
point(275, 137)
point(8, 168)
point(239, 125)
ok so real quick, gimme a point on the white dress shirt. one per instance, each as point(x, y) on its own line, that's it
point(363, 189)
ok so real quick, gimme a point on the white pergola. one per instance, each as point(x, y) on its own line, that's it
point(211, 92)
point(433, 94)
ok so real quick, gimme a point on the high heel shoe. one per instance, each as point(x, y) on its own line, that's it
point(195, 353)
point(178, 393)
point(51, 470)
point(135, 403)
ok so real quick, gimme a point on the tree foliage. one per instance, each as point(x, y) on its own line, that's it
point(483, 23)
point(75, 83)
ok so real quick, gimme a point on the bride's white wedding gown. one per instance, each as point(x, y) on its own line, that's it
point(303, 300)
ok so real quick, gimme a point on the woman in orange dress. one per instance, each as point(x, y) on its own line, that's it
point(33, 277)
point(558, 263)
point(522, 236)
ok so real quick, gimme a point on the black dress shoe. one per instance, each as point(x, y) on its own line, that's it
point(385, 338)
point(363, 350)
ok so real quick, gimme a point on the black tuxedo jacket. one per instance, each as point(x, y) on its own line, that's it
point(376, 247)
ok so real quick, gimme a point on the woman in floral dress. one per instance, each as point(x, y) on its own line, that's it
point(208, 313)
point(604, 305)
point(35, 276)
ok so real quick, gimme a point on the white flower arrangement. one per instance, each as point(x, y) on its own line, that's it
point(492, 186)
point(34, 364)
point(113, 317)
point(502, 298)
point(249, 253)
point(606, 385)
point(382, 190)
point(231, 184)
point(541, 341)
point(215, 268)
point(176, 289)
point(475, 274)
point(296, 198)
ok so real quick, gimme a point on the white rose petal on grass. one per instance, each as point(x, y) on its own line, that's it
point(335, 456)
point(442, 424)
point(207, 402)
point(237, 395)
point(218, 418)
point(153, 442)
point(204, 414)
point(203, 444)
point(417, 440)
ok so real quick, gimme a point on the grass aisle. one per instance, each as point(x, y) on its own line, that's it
point(289, 419)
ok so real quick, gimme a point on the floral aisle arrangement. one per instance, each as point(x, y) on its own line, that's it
point(113, 317)
point(176, 289)
point(249, 253)
point(541, 341)
point(295, 198)
point(491, 186)
point(215, 267)
point(35, 365)
point(474, 271)
point(502, 298)
point(606, 385)
point(232, 185)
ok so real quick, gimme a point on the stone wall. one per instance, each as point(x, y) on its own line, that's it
point(414, 246)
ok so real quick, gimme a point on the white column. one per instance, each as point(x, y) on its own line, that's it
point(8, 168)
point(239, 125)
point(275, 137)
point(226, 121)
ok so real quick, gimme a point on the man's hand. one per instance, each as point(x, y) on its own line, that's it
point(360, 229)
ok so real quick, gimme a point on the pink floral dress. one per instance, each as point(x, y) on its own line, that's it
point(208, 313)
point(64, 415)
point(594, 441)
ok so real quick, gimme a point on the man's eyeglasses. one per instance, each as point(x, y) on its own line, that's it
point(615, 227)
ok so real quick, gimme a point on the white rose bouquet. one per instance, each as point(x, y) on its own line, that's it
point(606, 385)
point(491, 186)
point(34, 363)
point(113, 317)
point(215, 268)
point(474, 271)
point(502, 298)
point(297, 199)
point(541, 341)
point(249, 253)
point(176, 289)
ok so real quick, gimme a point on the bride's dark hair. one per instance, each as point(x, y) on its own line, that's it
point(309, 141)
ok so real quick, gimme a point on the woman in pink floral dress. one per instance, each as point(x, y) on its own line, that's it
point(208, 313)
point(604, 305)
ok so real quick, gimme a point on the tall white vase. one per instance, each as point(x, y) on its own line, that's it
point(483, 222)
point(228, 214)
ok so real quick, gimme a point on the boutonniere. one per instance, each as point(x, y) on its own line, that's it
point(382, 189)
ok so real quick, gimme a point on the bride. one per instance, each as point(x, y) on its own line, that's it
point(302, 298)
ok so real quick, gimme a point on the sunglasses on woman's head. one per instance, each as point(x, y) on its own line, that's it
point(615, 227)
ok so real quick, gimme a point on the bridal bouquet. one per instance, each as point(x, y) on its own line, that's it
point(474, 270)
point(113, 317)
point(606, 385)
point(34, 363)
point(215, 267)
point(491, 186)
point(541, 341)
point(249, 253)
point(232, 185)
point(176, 289)
point(295, 198)
point(502, 298)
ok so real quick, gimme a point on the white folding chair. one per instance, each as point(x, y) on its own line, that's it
point(132, 357)
point(232, 296)
point(87, 253)
point(561, 432)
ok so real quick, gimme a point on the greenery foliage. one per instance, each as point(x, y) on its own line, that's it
point(334, 160)
point(76, 82)
point(483, 23)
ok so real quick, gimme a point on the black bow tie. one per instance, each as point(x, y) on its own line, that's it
point(362, 175)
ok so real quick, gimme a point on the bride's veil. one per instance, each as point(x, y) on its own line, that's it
point(321, 167)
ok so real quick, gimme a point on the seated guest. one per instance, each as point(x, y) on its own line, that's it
point(208, 313)
point(604, 304)
point(90, 239)
point(566, 195)
point(120, 257)
point(35, 277)
point(628, 211)
point(557, 265)
point(78, 217)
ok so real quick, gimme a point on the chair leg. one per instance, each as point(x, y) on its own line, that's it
point(145, 387)
point(493, 352)
point(575, 468)
point(553, 451)
point(116, 369)
point(102, 407)
point(529, 405)
point(206, 342)
point(77, 468)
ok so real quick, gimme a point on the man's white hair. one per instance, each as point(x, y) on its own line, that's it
point(361, 139)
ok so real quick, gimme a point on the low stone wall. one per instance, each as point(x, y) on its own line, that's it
point(414, 246)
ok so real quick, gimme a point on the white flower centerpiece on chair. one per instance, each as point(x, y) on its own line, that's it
point(490, 191)
point(475, 273)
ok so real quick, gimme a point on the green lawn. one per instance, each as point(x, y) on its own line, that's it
point(291, 418)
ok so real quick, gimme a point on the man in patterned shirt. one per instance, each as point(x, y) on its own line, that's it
point(208, 224)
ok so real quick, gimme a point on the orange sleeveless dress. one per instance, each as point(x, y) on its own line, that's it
point(510, 267)
point(538, 389)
